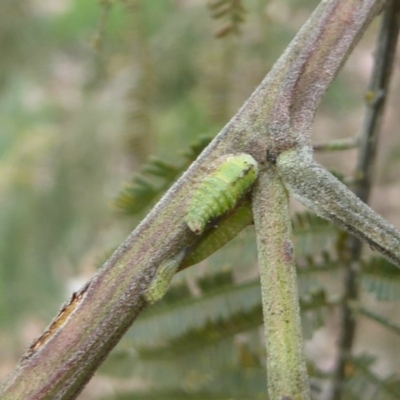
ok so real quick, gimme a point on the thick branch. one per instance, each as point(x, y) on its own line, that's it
point(278, 115)
point(283, 106)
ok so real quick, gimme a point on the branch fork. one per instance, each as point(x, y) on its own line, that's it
point(278, 117)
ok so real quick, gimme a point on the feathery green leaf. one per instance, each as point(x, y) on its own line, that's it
point(312, 234)
point(154, 178)
point(365, 384)
point(230, 12)
point(381, 278)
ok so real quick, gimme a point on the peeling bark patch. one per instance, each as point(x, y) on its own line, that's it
point(59, 321)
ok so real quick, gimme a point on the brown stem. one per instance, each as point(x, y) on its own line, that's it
point(376, 98)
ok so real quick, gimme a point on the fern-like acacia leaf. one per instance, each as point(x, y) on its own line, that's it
point(381, 278)
point(218, 314)
point(230, 13)
point(154, 178)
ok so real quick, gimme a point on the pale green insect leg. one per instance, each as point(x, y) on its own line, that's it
point(162, 279)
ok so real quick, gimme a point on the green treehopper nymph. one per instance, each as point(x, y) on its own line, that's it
point(220, 191)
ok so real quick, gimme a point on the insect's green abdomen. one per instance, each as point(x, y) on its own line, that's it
point(220, 191)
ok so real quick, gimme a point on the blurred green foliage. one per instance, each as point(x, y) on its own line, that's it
point(88, 92)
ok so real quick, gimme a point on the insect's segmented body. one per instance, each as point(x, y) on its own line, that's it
point(220, 191)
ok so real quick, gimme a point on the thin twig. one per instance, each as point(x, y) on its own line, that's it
point(338, 145)
point(97, 40)
point(376, 97)
point(395, 328)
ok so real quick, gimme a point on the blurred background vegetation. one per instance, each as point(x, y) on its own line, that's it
point(88, 92)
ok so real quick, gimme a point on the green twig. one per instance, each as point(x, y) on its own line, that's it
point(338, 145)
point(319, 190)
point(375, 99)
point(286, 369)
